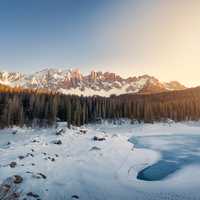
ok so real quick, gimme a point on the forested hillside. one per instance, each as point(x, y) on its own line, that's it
point(38, 107)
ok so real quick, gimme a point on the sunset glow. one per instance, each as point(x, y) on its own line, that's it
point(130, 37)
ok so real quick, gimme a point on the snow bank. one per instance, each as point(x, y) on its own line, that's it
point(84, 168)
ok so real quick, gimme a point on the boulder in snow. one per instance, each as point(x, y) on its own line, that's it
point(13, 164)
point(9, 189)
point(31, 194)
point(83, 131)
point(99, 138)
point(17, 179)
point(58, 142)
point(75, 197)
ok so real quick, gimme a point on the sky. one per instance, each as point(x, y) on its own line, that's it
point(130, 37)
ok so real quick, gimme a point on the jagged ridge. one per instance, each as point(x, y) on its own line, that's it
point(96, 83)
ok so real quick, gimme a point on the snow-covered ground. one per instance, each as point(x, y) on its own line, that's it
point(78, 165)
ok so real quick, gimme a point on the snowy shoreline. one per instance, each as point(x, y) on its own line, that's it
point(84, 168)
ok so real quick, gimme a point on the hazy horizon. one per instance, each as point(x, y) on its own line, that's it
point(130, 37)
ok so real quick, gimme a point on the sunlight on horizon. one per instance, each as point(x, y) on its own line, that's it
point(161, 39)
point(130, 38)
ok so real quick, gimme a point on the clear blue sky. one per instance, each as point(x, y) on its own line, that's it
point(40, 33)
point(130, 37)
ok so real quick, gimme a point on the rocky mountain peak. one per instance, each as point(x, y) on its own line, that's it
point(72, 81)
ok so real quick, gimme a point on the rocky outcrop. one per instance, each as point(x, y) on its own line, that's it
point(95, 83)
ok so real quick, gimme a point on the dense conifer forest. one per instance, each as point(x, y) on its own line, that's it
point(41, 108)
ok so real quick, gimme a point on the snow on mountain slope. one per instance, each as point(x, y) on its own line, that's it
point(96, 83)
point(11, 78)
point(174, 85)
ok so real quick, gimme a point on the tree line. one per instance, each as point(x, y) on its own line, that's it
point(42, 108)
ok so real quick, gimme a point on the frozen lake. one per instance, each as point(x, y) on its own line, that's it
point(163, 165)
point(177, 152)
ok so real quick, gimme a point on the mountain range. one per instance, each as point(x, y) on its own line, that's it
point(72, 81)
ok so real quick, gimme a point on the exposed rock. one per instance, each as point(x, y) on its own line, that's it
point(31, 194)
point(13, 164)
point(21, 157)
point(42, 175)
point(65, 80)
point(99, 138)
point(17, 179)
point(34, 141)
point(75, 197)
point(38, 175)
point(14, 132)
point(30, 154)
point(16, 195)
point(9, 189)
point(6, 187)
point(83, 131)
point(58, 142)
